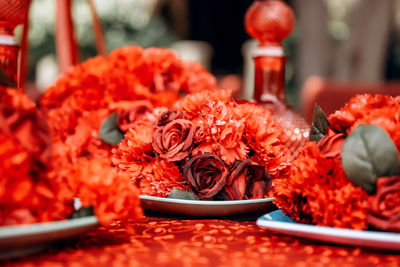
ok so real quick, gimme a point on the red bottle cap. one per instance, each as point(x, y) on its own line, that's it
point(269, 21)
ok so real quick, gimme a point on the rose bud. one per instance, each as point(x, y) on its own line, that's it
point(126, 119)
point(206, 174)
point(331, 144)
point(174, 141)
point(248, 180)
point(385, 208)
point(169, 116)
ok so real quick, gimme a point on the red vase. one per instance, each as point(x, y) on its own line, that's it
point(270, 22)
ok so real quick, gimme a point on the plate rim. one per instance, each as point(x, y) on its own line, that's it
point(206, 202)
point(316, 230)
point(14, 231)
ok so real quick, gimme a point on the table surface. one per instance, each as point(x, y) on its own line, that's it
point(158, 241)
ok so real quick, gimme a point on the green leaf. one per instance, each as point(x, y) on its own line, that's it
point(109, 131)
point(367, 154)
point(180, 194)
point(319, 125)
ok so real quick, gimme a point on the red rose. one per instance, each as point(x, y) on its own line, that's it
point(385, 208)
point(247, 180)
point(126, 119)
point(331, 144)
point(169, 116)
point(174, 141)
point(206, 174)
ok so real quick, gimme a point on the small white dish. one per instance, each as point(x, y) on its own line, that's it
point(207, 208)
point(19, 240)
point(276, 221)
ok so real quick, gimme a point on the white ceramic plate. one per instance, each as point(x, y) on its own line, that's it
point(278, 222)
point(207, 208)
point(18, 240)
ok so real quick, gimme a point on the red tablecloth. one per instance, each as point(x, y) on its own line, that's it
point(171, 242)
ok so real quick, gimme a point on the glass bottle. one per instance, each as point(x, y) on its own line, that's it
point(12, 14)
point(270, 22)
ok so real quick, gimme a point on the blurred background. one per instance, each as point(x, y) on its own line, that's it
point(339, 40)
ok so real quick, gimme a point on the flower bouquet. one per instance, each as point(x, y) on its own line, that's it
point(34, 188)
point(82, 97)
point(27, 195)
point(127, 111)
point(207, 147)
point(75, 106)
point(47, 165)
point(349, 175)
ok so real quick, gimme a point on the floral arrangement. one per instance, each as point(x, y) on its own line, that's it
point(26, 194)
point(349, 175)
point(207, 146)
point(81, 98)
point(119, 126)
point(35, 187)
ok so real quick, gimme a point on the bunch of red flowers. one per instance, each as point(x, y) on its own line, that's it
point(207, 144)
point(26, 193)
point(82, 97)
point(38, 187)
point(127, 74)
point(350, 177)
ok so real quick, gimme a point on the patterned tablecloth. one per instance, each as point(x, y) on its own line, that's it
point(181, 242)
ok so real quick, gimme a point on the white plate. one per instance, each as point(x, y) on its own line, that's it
point(18, 240)
point(278, 222)
point(207, 208)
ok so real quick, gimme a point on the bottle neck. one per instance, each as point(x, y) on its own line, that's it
point(269, 82)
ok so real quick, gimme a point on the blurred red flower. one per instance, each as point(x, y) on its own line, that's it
point(385, 206)
point(318, 191)
point(27, 194)
point(133, 114)
point(128, 73)
point(97, 184)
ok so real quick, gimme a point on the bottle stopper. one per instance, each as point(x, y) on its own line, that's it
point(269, 21)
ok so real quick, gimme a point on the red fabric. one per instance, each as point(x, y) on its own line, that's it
point(169, 242)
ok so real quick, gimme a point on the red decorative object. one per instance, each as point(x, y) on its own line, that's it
point(12, 14)
point(271, 21)
point(66, 45)
point(67, 50)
